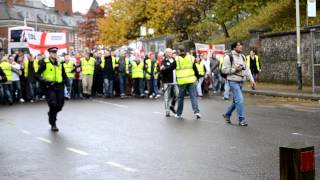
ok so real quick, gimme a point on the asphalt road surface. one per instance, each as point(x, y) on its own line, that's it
point(132, 139)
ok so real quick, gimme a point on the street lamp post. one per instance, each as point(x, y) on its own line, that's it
point(299, 68)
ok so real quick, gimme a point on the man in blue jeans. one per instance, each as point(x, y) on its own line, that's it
point(234, 66)
point(187, 73)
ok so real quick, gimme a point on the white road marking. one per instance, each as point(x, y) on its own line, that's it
point(77, 151)
point(87, 167)
point(44, 140)
point(298, 134)
point(120, 166)
point(120, 106)
point(25, 132)
point(310, 136)
point(117, 105)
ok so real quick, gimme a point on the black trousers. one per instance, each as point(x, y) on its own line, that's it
point(55, 100)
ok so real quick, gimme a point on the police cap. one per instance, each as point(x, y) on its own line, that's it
point(53, 50)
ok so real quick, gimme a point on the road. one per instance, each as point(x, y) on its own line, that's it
point(132, 139)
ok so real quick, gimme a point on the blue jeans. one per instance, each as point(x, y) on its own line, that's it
point(226, 92)
point(68, 88)
point(217, 82)
point(138, 88)
point(237, 101)
point(108, 87)
point(191, 88)
point(122, 83)
point(152, 85)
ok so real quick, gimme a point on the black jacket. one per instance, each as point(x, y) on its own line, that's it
point(3, 76)
point(167, 72)
point(108, 71)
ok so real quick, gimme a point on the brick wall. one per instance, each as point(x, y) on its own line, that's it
point(64, 7)
point(4, 34)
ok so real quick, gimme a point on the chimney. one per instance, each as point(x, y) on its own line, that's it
point(11, 2)
point(63, 7)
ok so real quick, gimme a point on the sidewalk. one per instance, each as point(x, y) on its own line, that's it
point(281, 90)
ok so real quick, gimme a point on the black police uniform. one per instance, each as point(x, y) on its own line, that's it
point(54, 91)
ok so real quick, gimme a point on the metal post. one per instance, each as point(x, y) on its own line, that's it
point(312, 31)
point(299, 71)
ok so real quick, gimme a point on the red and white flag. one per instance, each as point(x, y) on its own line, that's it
point(39, 42)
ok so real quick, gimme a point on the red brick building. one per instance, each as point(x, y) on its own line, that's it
point(89, 30)
point(59, 18)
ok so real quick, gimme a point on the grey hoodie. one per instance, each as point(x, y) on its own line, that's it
point(238, 60)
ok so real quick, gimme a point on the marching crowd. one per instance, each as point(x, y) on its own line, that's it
point(173, 73)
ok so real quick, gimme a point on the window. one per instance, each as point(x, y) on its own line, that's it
point(46, 18)
point(71, 37)
point(54, 19)
point(16, 36)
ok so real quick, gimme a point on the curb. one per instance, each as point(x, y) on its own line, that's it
point(284, 94)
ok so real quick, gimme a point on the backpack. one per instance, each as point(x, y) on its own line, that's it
point(223, 74)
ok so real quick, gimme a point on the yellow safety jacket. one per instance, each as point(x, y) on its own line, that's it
point(68, 68)
point(87, 66)
point(137, 70)
point(7, 69)
point(52, 73)
point(26, 67)
point(155, 70)
point(184, 70)
point(200, 68)
point(257, 62)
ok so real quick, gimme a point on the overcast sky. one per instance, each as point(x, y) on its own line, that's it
point(82, 6)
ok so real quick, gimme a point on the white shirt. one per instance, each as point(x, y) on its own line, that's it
point(15, 76)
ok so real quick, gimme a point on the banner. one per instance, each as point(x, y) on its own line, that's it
point(39, 42)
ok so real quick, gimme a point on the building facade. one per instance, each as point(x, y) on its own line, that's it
point(89, 30)
point(59, 18)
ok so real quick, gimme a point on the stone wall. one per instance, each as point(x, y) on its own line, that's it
point(279, 58)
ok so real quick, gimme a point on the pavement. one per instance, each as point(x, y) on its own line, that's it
point(132, 139)
point(283, 90)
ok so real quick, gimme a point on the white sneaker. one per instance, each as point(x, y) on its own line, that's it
point(157, 96)
point(198, 115)
point(150, 96)
point(21, 100)
point(178, 116)
point(31, 101)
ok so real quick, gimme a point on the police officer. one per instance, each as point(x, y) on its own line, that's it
point(51, 72)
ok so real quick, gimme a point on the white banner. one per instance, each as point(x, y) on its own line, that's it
point(39, 42)
point(312, 8)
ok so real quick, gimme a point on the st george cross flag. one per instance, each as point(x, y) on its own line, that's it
point(39, 42)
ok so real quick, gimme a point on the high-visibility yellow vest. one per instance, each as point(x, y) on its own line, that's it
point(87, 66)
point(68, 68)
point(103, 62)
point(6, 67)
point(137, 70)
point(26, 67)
point(155, 70)
point(52, 73)
point(127, 64)
point(200, 68)
point(184, 70)
point(257, 62)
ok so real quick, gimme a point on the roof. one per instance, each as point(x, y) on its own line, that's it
point(40, 15)
point(94, 5)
